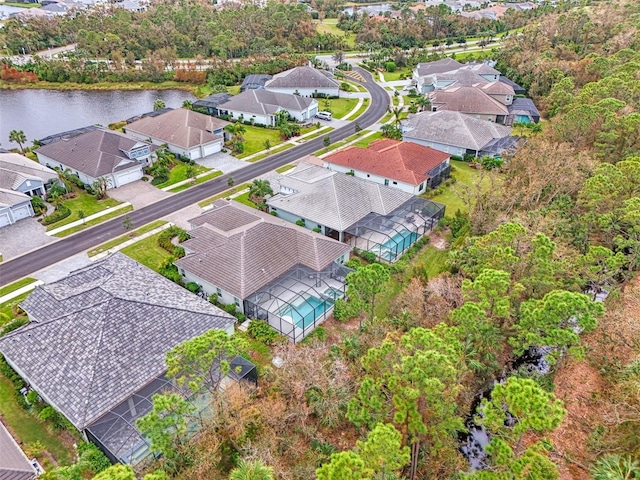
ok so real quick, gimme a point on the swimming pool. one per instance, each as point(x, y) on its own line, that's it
point(397, 244)
point(304, 313)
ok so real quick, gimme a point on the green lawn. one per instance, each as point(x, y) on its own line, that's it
point(29, 429)
point(319, 132)
point(244, 199)
point(85, 203)
point(6, 309)
point(15, 286)
point(148, 252)
point(179, 173)
point(361, 109)
point(124, 238)
point(254, 138)
point(95, 221)
point(224, 194)
point(285, 168)
point(465, 176)
point(279, 148)
point(330, 26)
point(399, 74)
point(339, 106)
point(365, 142)
point(196, 181)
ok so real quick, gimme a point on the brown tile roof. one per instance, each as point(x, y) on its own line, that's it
point(181, 127)
point(95, 153)
point(403, 161)
point(498, 88)
point(241, 250)
point(467, 99)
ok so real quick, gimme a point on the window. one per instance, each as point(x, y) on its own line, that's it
point(395, 183)
point(236, 300)
point(386, 182)
point(182, 272)
point(219, 292)
point(368, 175)
point(421, 187)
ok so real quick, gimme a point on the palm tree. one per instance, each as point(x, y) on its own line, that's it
point(19, 137)
point(188, 104)
point(258, 190)
point(254, 470)
point(615, 467)
point(158, 104)
point(423, 102)
point(397, 115)
point(236, 130)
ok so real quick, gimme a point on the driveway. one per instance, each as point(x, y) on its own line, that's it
point(222, 161)
point(62, 269)
point(181, 217)
point(21, 237)
point(139, 194)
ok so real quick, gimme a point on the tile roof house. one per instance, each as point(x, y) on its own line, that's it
point(14, 464)
point(98, 336)
point(210, 103)
point(187, 133)
point(439, 66)
point(404, 165)
point(99, 153)
point(304, 81)
point(470, 100)
point(235, 252)
point(260, 106)
point(457, 133)
point(254, 81)
point(14, 206)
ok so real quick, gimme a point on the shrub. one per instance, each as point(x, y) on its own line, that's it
point(32, 397)
point(262, 332)
point(10, 373)
point(230, 308)
point(145, 179)
point(319, 333)
point(92, 458)
point(317, 229)
point(50, 414)
point(343, 310)
point(468, 157)
point(390, 66)
point(13, 325)
point(38, 205)
point(164, 240)
point(193, 287)
point(353, 263)
point(170, 271)
point(60, 213)
point(456, 157)
point(300, 222)
point(368, 256)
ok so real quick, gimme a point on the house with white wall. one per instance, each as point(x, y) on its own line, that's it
point(304, 81)
point(118, 158)
point(261, 106)
point(190, 134)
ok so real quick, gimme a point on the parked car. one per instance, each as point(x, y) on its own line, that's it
point(324, 115)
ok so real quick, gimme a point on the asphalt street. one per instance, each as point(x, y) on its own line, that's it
point(67, 247)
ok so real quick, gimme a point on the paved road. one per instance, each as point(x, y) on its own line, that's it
point(50, 254)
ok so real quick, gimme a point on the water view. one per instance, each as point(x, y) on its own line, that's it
point(40, 113)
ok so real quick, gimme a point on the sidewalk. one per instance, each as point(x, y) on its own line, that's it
point(131, 241)
point(86, 219)
point(20, 291)
point(188, 180)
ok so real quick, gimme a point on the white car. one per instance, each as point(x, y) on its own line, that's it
point(406, 88)
point(324, 115)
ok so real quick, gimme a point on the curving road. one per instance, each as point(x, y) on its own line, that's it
point(67, 247)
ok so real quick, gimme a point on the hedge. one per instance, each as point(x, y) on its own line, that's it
point(58, 214)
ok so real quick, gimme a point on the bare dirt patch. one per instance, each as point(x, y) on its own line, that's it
point(438, 242)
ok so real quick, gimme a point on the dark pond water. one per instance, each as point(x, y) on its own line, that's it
point(40, 113)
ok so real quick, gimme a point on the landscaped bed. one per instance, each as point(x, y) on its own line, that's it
point(117, 241)
point(83, 202)
point(148, 252)
point(95, 221)
point(180, 173)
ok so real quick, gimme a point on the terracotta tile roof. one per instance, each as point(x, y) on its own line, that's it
point(181, 127)
point(241, 250)
point(403, 161)
point(95, 153)
point(467, 99)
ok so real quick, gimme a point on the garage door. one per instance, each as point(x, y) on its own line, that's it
point(4, 219)
point(128, 177)
point(21, 212)
point(211, 149)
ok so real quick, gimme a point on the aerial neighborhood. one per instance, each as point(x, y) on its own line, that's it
point(313, 241)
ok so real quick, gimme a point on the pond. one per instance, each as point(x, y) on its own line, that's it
point(40, 113)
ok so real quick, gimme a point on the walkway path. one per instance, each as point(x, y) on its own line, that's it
point(20, 291)
point(86, 219)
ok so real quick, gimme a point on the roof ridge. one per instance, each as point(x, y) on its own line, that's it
point(337, 202)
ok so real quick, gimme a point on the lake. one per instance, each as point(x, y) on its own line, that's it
point(40, 113)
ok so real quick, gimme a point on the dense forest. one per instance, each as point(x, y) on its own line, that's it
point(383, 397)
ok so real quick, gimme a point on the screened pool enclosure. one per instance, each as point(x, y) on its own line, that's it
point(298, 301)
point(116, 433)
point(388, 236)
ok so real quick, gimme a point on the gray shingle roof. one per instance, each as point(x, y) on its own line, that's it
point(95, 153)
point(181, 127)
point(15, 169)
point(467, 99)
point(14, 464)
point(439, 66)
point(453, 128)
point(301, 77)
point(10, 198)
point(102, 333)
point(334, 199)
point(241, 250)
point(265, 102)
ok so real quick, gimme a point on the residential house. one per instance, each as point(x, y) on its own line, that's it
point(210, 104)
point(469, 100)
point(14, 206)
point(14, 464)
point(359, 212)
point(304, 81)
point(438, 66)
point(186, 133)
point(261, 106)
point(95, 346)
point(254, 82)
point(112, 155)
point(22, 174)
point(407, 166)
point(523, 110)
point(270, 269)
point(458, 133)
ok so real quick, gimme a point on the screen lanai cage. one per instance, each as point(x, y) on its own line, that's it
point(117, 435)
point(388, 236)
point(299, 300)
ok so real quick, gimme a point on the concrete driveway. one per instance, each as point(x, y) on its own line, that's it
point(139, 194)
point(21, 237)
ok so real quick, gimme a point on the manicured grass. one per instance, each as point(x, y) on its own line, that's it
point(254, 138)
point(339, 106)
point(244, 199)
point(285, 168)
point(361, 109)
point(234, 89)
point(95, 221)
point(225, 194)
point(6, 309)
point(85, 203)
point(387, 116)
point(395, 100)
point(365, 142)
point(196, 181)
point(279, 148)
point(15, 286)
point(179, 173)
point(148, 252)
point(434, 259)
point(320, 131)
point(124, 238)
point(330, 26)
point(466, 176)
point(399, 74)
point(354, 86)
point(27, 427)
